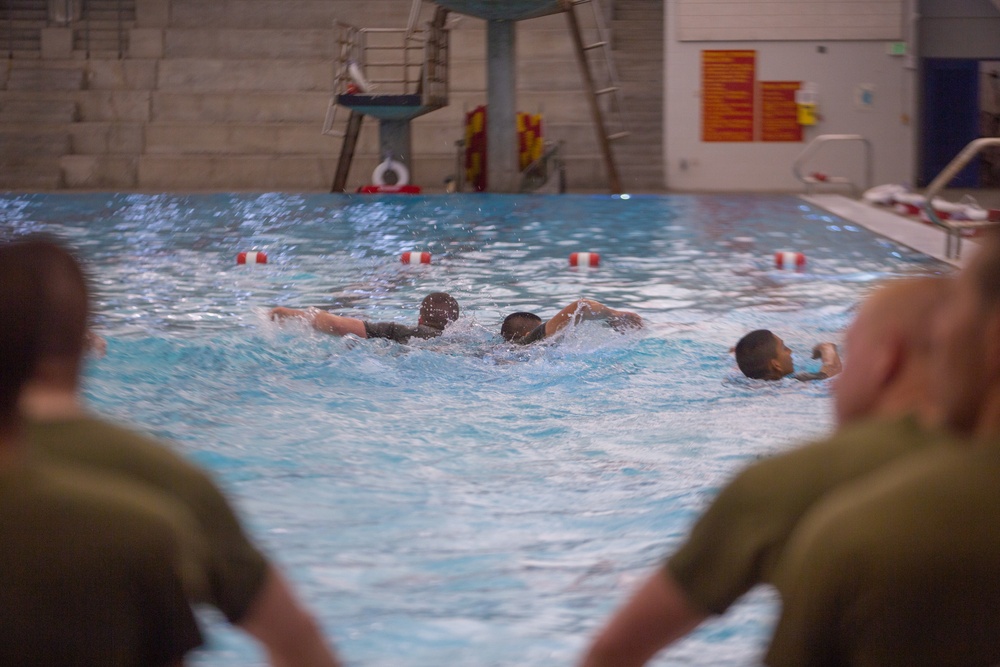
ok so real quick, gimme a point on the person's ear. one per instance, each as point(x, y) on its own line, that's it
point(775, 366)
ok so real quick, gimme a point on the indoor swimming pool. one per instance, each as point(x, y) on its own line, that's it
point(458, 501)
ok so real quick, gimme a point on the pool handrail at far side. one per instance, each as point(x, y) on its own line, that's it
point(814, 178)
point(953, 228)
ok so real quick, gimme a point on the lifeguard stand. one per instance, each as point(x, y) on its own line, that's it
point(394, 75)
point(398, 75)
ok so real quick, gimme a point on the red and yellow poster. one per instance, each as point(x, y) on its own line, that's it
point(778, 120)
point(727, 95)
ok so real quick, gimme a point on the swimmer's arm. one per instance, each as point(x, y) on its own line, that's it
point(657, 615)
point(588, 309)
point(336, 325)
point(827, 353)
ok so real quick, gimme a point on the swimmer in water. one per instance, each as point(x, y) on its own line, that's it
point(522, 328)
point(437, 311)
point(763, 356)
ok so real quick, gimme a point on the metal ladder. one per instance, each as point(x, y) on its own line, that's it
point(814, 179)
point(609, 88)
point(953, 228)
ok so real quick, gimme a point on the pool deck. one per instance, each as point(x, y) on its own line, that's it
point(925, 238)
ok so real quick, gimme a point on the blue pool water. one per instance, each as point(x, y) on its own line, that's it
point(456, 501)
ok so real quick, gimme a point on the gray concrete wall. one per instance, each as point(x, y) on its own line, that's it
point(959, 29)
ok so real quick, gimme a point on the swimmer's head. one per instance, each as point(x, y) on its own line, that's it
point(763, 356)
point(438, 310)
point(517, 325)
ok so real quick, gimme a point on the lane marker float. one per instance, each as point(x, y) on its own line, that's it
point(252, 257)
point(584, 259)
point(414, 257)
point(786, 259)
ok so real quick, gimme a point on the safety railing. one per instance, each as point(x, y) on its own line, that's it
point(954, 228)
point(390, 61)
point(815, 178)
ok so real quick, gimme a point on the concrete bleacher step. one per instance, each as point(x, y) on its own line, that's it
point(319, 43)
point(30, 173)
point(29, 139)
point(251, 172)
point(301, 107)
point(215, 75)
point(287, 13)
point(34, 110)
point(71, 106)
point(43, 78)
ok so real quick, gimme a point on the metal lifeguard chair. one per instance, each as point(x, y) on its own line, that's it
point(394, 75)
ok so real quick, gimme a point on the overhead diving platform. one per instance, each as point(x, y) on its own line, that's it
point(387, 107)
point(503, 10)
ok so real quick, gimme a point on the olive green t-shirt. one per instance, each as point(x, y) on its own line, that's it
point(898, 569)
point(93, 571)
point(738, 540)
point(235, 568)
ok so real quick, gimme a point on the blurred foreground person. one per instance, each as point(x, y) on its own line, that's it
point(241, 582)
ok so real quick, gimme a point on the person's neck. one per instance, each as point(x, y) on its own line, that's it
point(47, 402)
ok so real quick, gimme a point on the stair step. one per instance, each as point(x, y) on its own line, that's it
point(45, 79)
point(30, 173)
point(30, 141)
point(268, 172)
point(37, 111)
point(209, 75)
point(249, 43)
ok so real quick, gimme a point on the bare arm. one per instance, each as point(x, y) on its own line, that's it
point(657, 615)
point(588, 309)
point(827, 352)
point(288, 631)
point(335, 325)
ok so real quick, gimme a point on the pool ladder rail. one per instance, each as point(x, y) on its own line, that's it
point(954, 228)
point(812, 179)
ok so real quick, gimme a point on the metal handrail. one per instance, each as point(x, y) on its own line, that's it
point(953, 228)
point(817, 143)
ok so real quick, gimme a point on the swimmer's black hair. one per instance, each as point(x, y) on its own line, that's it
point(438, 309)
point(518, 324)
point(754, 354)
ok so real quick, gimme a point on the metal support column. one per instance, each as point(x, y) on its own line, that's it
point(347, 151)
point(394, 142)
point(501, 115)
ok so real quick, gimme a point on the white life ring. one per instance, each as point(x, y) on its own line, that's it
point(402, 173)
point(359, 78)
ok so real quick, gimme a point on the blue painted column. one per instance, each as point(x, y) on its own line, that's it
point(501, 111)
point(394, 142)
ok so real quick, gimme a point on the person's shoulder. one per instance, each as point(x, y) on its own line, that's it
point(112, 448)
point(810, 377)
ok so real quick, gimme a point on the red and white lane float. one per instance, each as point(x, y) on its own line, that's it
point(415, 257)
point(252, 257)
point(786, 259)
point(884, 195)
point(584, 259)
